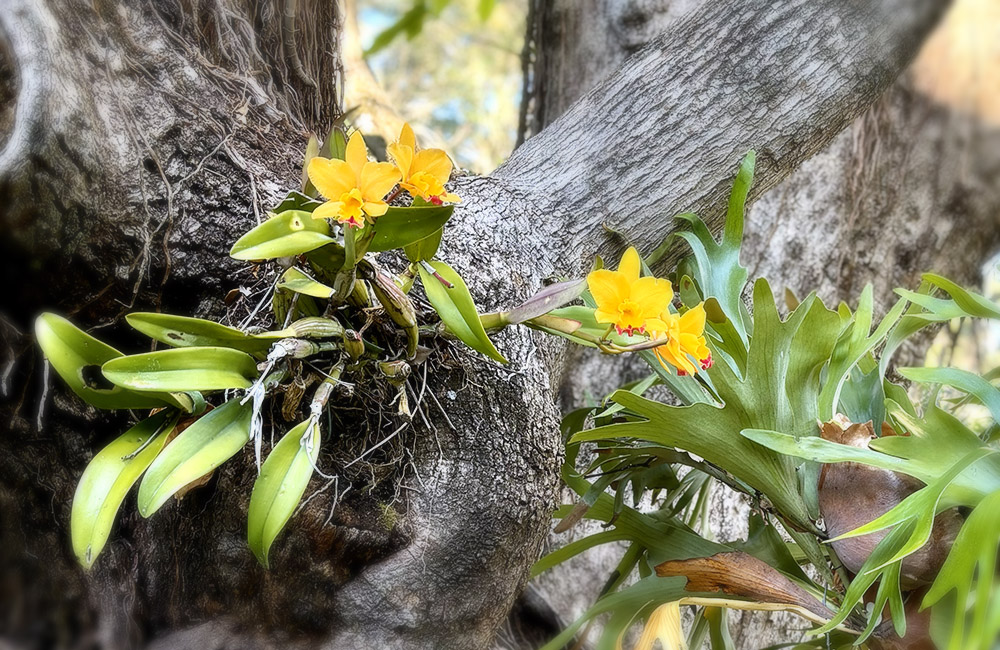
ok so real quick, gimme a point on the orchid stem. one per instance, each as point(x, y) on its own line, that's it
point(396, 192)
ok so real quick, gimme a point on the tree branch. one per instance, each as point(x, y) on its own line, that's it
point(665, 133)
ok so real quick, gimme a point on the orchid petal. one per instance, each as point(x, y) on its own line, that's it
point(402, 155)
point(377, 178)
point(329, 210)
point(375, 208)
point(609, 289)
point(603, 316)
point(693, 321)
point(651, 295)
point(406, 137)
point(331, 177)
point(630, 264)
point(356, 154)
point(434, 162)
point(657, 328)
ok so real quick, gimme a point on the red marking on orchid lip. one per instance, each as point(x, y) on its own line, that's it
point(681, 372)
point(629, 331)
point(707, 362)
point(437, 200)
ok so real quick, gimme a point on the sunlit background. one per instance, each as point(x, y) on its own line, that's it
point(458, 79)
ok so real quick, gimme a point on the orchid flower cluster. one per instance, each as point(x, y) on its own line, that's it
point(356, 188)
point(642, 306)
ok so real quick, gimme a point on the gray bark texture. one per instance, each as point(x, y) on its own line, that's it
point(141, 138)
point(908, 187)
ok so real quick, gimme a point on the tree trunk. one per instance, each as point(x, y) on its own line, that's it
point(145, 137)
point(909, 187)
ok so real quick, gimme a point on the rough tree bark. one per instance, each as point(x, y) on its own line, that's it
point(910, 186)
point(143, 136)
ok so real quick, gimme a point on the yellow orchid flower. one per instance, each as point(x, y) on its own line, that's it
point(355, 188)
point(664, 624)
point(684, 336)
point(423, 172)
point(626, 300)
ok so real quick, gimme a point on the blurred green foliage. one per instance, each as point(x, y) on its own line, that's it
point(457, 72)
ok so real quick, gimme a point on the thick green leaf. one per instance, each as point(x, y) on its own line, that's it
point(77, 357)
point(280, 486)
point(920, 507)
point(457, 309)
point(938, 443)
point(969, 301)
point(108, 477)
point(290, 233)
point(868, 574)
point(198, 450)
point(181, 369)
point(327, 261)
point(400, 227)
point(716, 267)
point(335, 145)
point(185, 332)
point(970, 570)
point(574, 548)
point(298, 282)
point(425, 249)
point(551, 297)
point(312, 150)
point(632, 601)
point(963, 380)
point(736, 210)
point(818, 450)
point(854, 343)
point(862, 397)
point(927, 310)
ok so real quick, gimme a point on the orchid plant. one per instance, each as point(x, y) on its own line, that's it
point(336, 313)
